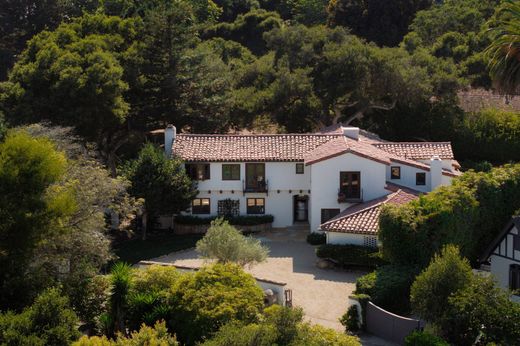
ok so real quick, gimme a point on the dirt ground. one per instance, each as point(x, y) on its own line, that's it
point(322, 293)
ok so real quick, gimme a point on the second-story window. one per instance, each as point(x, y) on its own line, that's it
point(350, 184)
point(231, 172)
point(420, 178)
point(198, 171)
point(255, 177)
point(300, 168)
point(395, 172)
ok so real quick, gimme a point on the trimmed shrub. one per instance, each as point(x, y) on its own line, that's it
point(424, 339)
point(389, 287)
point(242, 220)
point(351, 255)
point(315, 238)
point(350, 320)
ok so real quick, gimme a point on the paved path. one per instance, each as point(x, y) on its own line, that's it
point(323, 294)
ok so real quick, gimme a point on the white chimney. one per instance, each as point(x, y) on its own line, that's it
point(435, 172)
point(170, 132)
point(351, 132)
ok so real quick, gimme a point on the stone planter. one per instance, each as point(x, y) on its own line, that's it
point(201, 229)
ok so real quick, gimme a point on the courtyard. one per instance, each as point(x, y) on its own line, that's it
point(322, 293)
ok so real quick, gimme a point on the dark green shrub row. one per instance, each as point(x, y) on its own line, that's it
point(424, 339)
point(315, 238)
point(389, 287)
point(242, 220)
point(351, 255)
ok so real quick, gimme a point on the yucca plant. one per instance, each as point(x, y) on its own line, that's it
point(504, 51)
point(120, 277)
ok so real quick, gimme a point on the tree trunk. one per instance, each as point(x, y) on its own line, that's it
point(144, 220)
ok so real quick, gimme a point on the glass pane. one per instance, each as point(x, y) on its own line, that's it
point(196, 202)
point(205, 201)
point(260, 201)
point(250, 202)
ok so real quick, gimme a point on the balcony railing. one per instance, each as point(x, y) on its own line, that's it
point(258, 186)
point(349, 196)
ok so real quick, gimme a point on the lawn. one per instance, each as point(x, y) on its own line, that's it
point(133, 251)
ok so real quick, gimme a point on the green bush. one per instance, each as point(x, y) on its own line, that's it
point(424, 339)
point(204, 301)
point(446, 274)
point(350, 320)
point(48, 321)
point(389, 287)
point(351, 255)
point(242, 220)
point(158, 335)
point(315, 238)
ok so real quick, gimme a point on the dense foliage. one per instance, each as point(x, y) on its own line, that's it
point(48, 321)
point(351, 256)
point(161, 181)
point(464, 307)
point(469, 213)
point(225, 244)
point(279, 326)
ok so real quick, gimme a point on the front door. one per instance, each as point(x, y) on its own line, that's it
point(255, 176)
point(301, 208)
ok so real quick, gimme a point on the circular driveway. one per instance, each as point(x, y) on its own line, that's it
point(322, 293)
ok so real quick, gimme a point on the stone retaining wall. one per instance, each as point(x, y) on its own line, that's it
point(201, 229)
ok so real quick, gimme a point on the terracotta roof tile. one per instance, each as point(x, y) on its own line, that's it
point(363, 218)
point(418, 150)
point(289, 147)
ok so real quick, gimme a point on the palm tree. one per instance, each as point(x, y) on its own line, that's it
point(504, 51)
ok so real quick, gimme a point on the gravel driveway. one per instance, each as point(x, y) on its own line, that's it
point(322, 293)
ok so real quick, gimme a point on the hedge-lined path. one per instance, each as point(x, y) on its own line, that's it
point(323, 294)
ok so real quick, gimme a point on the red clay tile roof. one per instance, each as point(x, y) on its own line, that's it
point(310, 148)
point(288, 147)
point(418, 150)
point(363, 218)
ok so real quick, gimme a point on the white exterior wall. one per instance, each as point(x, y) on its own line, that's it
point(504, 255)
point(408, 177)
point(325, 183)
point(338, 238)
point(280, 176)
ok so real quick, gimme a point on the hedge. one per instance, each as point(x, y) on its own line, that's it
point(243, 220)
point(315, 238)
point(351, 255)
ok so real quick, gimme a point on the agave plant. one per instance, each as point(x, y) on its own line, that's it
point(504, 51)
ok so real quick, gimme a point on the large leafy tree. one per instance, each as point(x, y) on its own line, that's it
point(162, 183)
point(382, 22)
point(77, 76)
point(32, 207)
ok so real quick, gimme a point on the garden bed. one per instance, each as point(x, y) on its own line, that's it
point(188, 224)
point(351, 256)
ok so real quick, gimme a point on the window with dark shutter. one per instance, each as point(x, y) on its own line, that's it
point(395, 172)
point(327, 214)
point(201, 206)
point(420, 178)
point(198, 171)
point(514, 277)
point(231, 172)
point(256, 206)
point(350, 184)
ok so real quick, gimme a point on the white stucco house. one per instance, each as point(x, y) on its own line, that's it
point(503, 256)
point(328, 180)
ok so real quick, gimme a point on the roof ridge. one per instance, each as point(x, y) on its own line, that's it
point(409, 142)
point(261, 135)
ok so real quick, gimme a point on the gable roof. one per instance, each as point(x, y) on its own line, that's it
point(515, 221)
point(363, 218)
